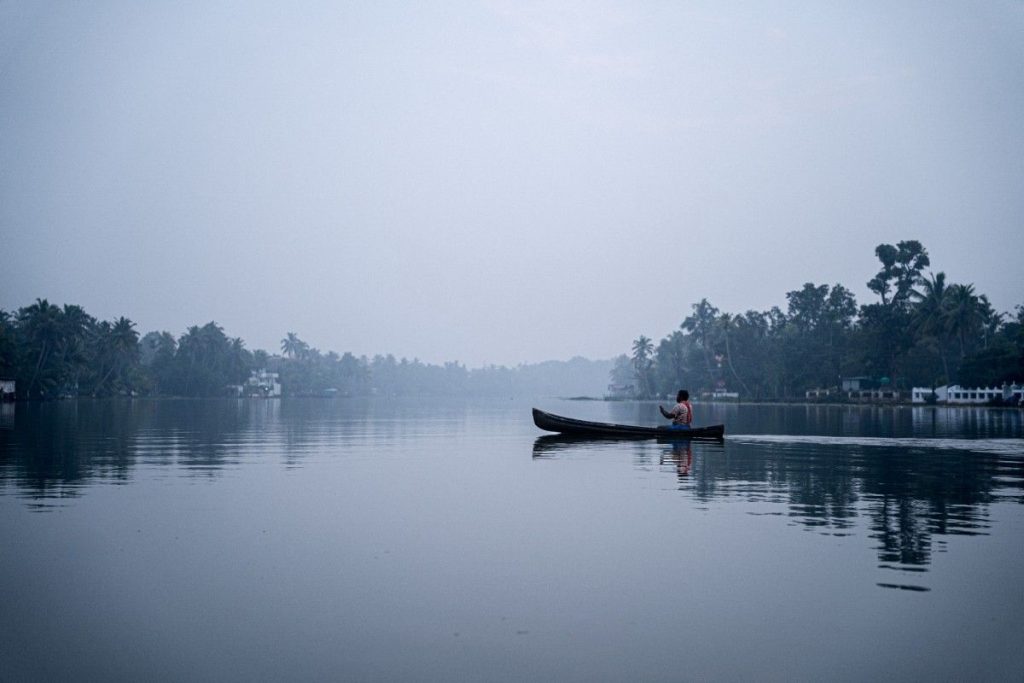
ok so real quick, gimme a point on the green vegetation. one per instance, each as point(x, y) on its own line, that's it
point(923, 331)
point(55, 352)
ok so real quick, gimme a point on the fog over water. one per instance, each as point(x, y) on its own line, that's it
point(498, 182)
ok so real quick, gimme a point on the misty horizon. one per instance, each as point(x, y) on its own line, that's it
point(498, 183)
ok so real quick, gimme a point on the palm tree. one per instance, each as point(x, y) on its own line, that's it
point(293, 347)
point(964, 314)
point(642, 349)
point(931, 316)
point(701, 324)
point(41, 323)
point(75, 327)
point(120, 344)
point(990, 320)
point(7, 343)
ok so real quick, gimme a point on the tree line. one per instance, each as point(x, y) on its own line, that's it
point(61, 352)
point(922, 331)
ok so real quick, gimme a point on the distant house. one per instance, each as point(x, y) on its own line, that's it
point(869, 390)
point(858, 384)
point(874, 396)
point(818, 394)
point(7, 390)
point(264, 384)
point(955, 394)
point(621, 391)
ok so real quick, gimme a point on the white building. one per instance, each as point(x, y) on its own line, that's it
point(955, 394)
point(621, 391)
point(263, 383)
point(725, 396)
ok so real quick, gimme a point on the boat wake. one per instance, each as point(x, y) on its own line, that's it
point(997, 446)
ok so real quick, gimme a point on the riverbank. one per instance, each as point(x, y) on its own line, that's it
point(798, 402)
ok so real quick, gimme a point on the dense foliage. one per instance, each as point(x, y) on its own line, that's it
point(923, 331)
point(55, 352)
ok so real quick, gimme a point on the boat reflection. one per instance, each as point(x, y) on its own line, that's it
point(551, 445)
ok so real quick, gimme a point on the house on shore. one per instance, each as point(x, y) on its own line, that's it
point(858, 390)
point(7, 389)
point(869, 390)
point(954, 394)
point(722, 395)
point(261, 384)
point(620, 391)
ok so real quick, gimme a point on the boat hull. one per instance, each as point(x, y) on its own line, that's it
point(566, 425)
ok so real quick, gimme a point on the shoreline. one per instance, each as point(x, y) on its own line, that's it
point(817, 404)
point(823, 404)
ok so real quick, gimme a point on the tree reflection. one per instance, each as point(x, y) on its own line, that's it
point(56, 449)
point(903, 497)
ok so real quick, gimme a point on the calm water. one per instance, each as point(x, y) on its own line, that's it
point(429, 540)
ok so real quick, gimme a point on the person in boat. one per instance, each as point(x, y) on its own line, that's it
point(682, 413)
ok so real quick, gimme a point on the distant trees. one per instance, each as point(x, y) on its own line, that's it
point(623, 375)
point(119, 352)
point(206, 362)
point(922, 331)
point(702, 326)
point(55, 352)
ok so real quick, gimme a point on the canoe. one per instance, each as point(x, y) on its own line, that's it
point(566, 425)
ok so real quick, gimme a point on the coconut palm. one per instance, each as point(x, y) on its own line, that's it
point(293, 347)
point(990, 320)
point(41, 324)
point(964, 314)
point(702, 324)
point(119, 346)
point(643, 347)
point(931, 317)
point(930, 309)
point(8, 346)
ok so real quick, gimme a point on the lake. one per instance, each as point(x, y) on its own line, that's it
point(434, 539)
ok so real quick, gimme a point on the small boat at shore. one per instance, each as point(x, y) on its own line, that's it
point(566, 425)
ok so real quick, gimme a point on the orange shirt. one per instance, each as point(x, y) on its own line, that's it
point(682, 413)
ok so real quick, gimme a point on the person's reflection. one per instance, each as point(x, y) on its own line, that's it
point(682, 456)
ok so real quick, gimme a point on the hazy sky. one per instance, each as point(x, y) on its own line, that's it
point(498, 182)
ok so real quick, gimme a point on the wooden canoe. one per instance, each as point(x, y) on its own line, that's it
point(566, 425)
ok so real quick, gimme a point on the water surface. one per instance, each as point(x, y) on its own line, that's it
point(432, 540)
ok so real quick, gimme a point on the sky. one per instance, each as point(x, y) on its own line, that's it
point(498, 182)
